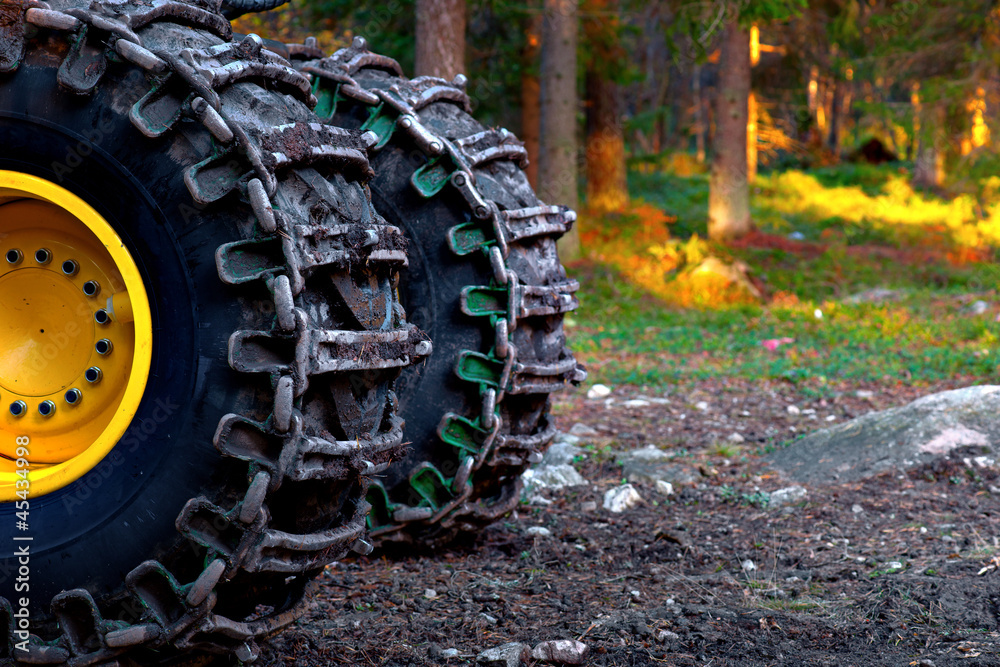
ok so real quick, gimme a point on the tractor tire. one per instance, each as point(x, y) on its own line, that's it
point(245, 316)
point(484, 281)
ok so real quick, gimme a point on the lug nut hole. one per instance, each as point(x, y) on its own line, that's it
point(93, 375)
point(102, 316)
point(91, 288)
point(46, 408)
point(43, 256)
point(103, 346)
point(13, 256)
point(70, 267)
point(18, 408)
point(73, 396)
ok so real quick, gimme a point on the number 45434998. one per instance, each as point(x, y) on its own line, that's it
point(23, 465)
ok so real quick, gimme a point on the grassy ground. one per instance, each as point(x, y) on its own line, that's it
point(855, 228)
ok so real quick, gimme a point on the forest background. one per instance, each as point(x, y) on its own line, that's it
point(767, 189)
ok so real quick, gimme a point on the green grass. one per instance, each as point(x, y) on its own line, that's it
point(625, 334)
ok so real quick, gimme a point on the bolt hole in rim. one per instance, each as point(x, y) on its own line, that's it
point(75, 330)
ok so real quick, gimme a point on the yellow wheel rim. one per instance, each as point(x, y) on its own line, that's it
point(75, 337)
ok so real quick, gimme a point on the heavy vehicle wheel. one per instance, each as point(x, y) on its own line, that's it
point(199, 335)
point(484, 281)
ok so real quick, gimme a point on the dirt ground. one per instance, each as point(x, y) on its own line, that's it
point(888, 571)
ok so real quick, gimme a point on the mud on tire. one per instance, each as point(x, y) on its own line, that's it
point(484, 281)
point(277, 333)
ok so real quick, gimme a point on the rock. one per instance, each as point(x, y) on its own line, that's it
point(599, 391)
point(566, 439)
point(621, 498)
point(797, 236)
point(561, 453)
point(877, 295)
point(864, 393)
point(588, 506)
point(647, 453)
point(538, 531)
point(979, 307)
point(736, 437)
point(857, 509)
point(701, 405)
point(449, 653)
point(787, 495)
point(636, 403)
point(583, 431)
point(561, 651)
point(487, 619)
point(894, 565)
point(430, 594)
point(666, 636)
point(552, 477)
point(664, 488)
point(505, 655)
point(928, 429)
point(748, 566)
point(793, 410)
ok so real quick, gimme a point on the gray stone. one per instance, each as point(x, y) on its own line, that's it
point(636, 403)
point(621, 498)
point(430, 594)
point(897, 439)
point(786, 496)
point(664, 488)
point(449, 653)
point(588, 506)
point(877, 295)
point(666, 635)
point(599, 391)
point(561, 651)
point(552, 477)
point(583, 431)
point(979, 307)
point(487, 619)
point(538, 531)
point(505, 655)
point(647, 453)
point(561, 453)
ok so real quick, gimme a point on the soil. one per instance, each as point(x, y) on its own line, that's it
point(898, 569)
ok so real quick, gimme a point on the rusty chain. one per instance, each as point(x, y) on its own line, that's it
point(189, 83)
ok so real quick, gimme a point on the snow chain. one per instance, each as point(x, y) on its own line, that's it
point(278, 450)
point(445, 501)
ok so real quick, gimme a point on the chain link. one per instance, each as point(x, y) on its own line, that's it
point(182, 614)
point(478, 440)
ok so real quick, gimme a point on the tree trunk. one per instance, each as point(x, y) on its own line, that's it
point(605, 143)
point(607, 189)
point(531, 118)
point(751, 137)
point(557, 160)
point(440, 38)
point(699, 116)
point(729, 191)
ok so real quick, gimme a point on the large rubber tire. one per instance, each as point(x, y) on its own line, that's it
point(462, 472)
point(277, 335)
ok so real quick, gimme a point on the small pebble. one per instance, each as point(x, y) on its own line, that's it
point(538, 531)
point(736, 437)
point(857, 509)
point(701, 405)
point(666, 635)
point(486, 618)
point(430, 594)
point(793, 410)
point(449, 653)
point(621, 498)
point(748, 565)
point(561, 651)
point(664, 488)
point(588, 506)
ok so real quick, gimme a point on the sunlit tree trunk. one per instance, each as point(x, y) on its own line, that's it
point(605, 142)
point(531, 115)
point(699, 116)
point(440, 38)
point(729, 191)
point(606, 179)
point(751, 137)
point(557, 168)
